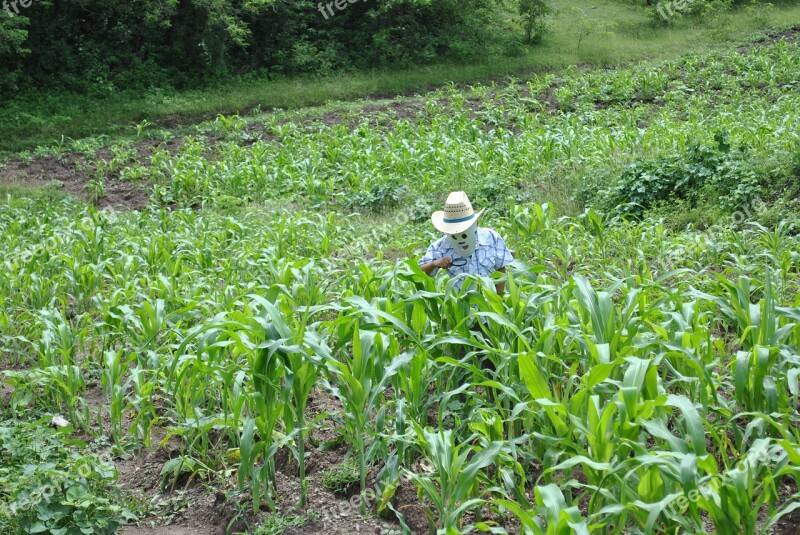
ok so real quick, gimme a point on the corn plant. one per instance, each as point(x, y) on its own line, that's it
point(358, 382)
point(301, 372)
point(452, 486)
point(115, 388)
point(560, 517)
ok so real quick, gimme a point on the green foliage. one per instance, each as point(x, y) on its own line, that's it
point(454, 480)
point(342, 478)
point(155, 43)
point(281, 523)
point(713, 12)
point(13, 50)
point(48, 488)
point(760, 11)
point(534, 15)
point(699, 173)
point(586, 26)
point(668, 12)
point(497, 191)
point(359, 382)
point(184, 469)
point(96, 188)
point(382, 195)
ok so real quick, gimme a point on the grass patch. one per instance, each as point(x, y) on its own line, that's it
point(51, 192)
point(280, 523)
point(342, 479)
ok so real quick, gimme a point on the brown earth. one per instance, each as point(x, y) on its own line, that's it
point(195, 510)
point(71, 172)
point(66, 173)
point(201, 508)
point(789, 524)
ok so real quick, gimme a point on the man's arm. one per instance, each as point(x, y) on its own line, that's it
point(442, 263)
point(500, 287)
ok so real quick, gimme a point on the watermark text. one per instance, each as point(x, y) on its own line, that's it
point(12, 7)
point(340, 5)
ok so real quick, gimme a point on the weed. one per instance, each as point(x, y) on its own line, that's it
point(341, 479)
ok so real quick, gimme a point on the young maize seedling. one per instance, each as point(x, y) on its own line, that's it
point(453, 485)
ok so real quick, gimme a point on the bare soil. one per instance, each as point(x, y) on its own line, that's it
point(211, 508)
point(67, 173)
point(791, 35)
point(202, 514)
point(789, 524)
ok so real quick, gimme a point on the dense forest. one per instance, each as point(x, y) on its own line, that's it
point(78, 45)
point(75, 43)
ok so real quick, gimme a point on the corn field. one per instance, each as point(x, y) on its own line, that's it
point(632, 379)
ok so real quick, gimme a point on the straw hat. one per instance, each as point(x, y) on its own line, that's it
point(457, 215)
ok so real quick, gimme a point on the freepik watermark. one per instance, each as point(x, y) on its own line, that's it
point(747, 212)
point(12, 7)
point(417, 212)
point(749, 467)
point(44, 493)
point(667, 9)
point(340, 5)
point(363, 500)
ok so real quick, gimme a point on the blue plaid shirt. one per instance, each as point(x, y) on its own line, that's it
point(490, 255)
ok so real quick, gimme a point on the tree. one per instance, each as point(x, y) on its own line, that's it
point(13, 33)
point(534, 14)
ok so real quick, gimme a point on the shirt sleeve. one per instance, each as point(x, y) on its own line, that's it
point(503, 256)
point(433, 253)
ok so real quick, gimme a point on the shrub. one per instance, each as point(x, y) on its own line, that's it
point(380, 196)
point(699, 173)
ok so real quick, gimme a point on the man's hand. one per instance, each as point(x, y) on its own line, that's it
point(500, 287)
point(442, 263)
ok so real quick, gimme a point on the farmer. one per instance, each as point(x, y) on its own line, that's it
point(465, 249)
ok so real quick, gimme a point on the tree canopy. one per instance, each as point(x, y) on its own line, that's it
point(73, 43)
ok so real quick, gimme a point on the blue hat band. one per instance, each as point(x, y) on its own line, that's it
point(461, 220)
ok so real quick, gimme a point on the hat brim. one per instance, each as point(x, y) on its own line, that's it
point(453, 228)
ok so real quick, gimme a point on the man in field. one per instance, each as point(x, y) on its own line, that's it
point(465, 249)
